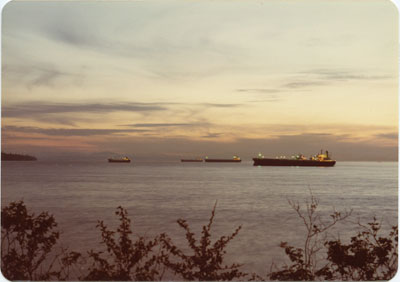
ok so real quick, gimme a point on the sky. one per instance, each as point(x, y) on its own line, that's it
point(172, 79)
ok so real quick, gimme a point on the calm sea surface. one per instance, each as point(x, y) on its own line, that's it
point(156, 195)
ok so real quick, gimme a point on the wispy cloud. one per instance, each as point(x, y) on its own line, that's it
point(303, 84)
point(321, 77)
point(308, 79)
point(74, 34)
point(259, 90)
point(159, 56)
point(212, 135)
point(150, 125)
point(69, 131)
point(214, 105)
point(392, 135)
point(344, 75)
point(46, 77)
point(38, 74)
point(269, 99)
point(33, 109)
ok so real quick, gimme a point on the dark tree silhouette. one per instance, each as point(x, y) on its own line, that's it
point(367, 257)
point(305, 261)
point(124, 259)
point(26, 244)
point(28, 252)
point(206, 263)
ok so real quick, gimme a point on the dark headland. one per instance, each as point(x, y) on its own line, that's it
point(16, 157)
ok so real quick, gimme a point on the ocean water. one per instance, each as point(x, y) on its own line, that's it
point(79, 194)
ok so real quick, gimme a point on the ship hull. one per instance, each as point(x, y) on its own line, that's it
point(288, 162)
point(222, 161)
point(118, 161)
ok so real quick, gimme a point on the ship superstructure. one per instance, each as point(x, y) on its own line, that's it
point(121, 160)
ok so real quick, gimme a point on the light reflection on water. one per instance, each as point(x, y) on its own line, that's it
point(156, 195)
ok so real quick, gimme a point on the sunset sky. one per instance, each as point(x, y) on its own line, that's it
point(191, 78)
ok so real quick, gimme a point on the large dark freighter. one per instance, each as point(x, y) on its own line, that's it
point(319, 160)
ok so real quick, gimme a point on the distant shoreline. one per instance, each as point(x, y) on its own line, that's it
point(16, 157)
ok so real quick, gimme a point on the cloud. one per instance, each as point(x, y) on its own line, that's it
point(268, 100)
point(305, 80)
point(146, 125)
point(70, 120)
point(303, 84)
point(46, 77)
point(219, 105)
point(32, 109)
point(71, 114)
point(326, 129)
point(35, 109)
point(36, 74)
point(344, 75)
point(268, 95)
point(73, 34)
point(308, 79)
point(392, 135)
point(142, 39)
point(259, 90)
point(212, 135)
point(69, 131)
point(321, 77)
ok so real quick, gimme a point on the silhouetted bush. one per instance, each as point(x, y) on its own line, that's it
point(206, 262)
point(29, 241)
point(368, 256)
point(26, 243)
point(124, 258)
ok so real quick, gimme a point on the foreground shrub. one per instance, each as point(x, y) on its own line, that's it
point(124, 259)
point(206, 262)
point(367, 257)
point(28, 252)
point(26, 244)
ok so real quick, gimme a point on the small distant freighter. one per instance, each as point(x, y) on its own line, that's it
point(122, 160)
point(191, 160)
point(235, 159)
point(299, 160)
